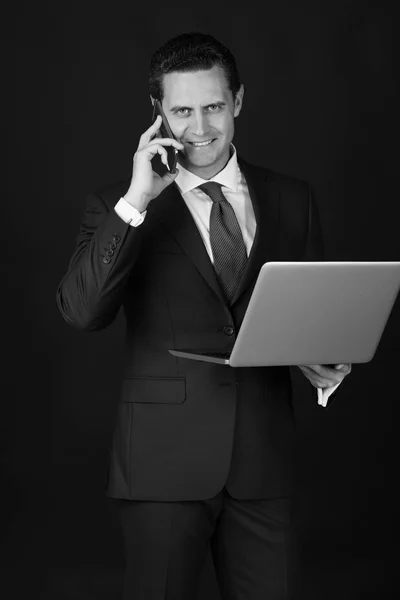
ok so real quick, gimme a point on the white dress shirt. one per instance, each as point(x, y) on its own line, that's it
point(235, 190)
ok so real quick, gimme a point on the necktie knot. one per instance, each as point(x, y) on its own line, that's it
point(213, 190)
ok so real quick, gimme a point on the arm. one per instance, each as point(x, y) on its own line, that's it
point(325, 379)
point(91, 292)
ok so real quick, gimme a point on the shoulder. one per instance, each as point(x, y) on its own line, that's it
point(282, 181)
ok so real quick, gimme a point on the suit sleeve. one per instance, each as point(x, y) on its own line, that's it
point(90, 293)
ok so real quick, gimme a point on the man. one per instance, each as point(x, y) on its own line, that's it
point(201, 453)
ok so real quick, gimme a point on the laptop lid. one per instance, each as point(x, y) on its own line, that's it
point(303, 313)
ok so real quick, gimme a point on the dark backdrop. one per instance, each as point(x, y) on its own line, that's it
point(320, 104)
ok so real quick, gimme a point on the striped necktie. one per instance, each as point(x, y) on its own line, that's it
point(227, 244)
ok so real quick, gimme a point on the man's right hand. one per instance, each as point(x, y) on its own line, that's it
point(146, 184)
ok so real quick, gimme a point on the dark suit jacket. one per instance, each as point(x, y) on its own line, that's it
point(184, 428)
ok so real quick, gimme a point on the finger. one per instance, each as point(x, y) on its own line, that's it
point(150, 133)
point(326, 370)
point(169, 177)
point(164, 157)
point(319, 380)
point(344, 368)
point(151, 150)
point(331, 381)
point(167, 142)
point(319, 369)
point(311, 375)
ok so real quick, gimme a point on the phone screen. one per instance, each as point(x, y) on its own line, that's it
point(166, 132)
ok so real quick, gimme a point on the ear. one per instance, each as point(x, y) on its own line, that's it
point(238, 101)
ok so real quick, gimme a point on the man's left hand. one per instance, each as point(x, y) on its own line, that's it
point(322, 376)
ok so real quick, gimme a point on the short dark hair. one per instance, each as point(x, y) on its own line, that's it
point(191, 52)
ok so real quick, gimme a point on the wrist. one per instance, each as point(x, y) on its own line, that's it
point(140, 203)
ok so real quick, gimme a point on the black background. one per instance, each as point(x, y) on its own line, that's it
point(321, 104)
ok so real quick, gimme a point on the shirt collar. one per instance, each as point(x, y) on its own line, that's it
point(228, 177)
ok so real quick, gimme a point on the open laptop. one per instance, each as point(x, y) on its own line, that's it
point(304, 313)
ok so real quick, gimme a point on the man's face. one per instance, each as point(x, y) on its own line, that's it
point(201, 110)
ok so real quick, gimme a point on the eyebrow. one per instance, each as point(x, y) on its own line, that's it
point(217, 103)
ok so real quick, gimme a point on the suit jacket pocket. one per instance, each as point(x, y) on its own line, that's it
point(155, 390)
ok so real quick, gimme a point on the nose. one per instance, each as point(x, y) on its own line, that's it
point(200, 125)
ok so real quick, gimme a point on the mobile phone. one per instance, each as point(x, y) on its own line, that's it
point(166, 132)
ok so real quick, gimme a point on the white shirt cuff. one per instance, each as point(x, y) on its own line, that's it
point(324, 393)
point(129, 213)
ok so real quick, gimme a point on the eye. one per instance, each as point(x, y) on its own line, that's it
point(213, 107)
point(182, 111)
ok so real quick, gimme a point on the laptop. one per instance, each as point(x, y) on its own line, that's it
point(305, 313)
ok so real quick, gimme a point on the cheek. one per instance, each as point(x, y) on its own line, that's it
point(221, 124)
point(178, 130)
point(178, 126)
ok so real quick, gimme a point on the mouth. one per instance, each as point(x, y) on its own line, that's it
point(201, 144)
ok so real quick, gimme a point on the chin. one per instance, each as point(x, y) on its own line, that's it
point(207, 161)
point(204, 161)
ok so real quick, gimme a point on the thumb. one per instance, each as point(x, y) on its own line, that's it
point(169, 177)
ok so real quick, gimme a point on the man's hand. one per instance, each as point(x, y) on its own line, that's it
point(146, 184)
point(322, 376)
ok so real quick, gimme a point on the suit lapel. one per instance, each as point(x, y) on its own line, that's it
point(171, 209)
point(265, 201)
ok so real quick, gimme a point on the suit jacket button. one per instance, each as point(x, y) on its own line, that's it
point(116, 238)
point(113, 245)
point(106, 259)
point(228, 330)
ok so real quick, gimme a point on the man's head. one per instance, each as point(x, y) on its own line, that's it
point(196, 79)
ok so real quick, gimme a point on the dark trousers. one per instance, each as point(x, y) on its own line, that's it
point(166, 546)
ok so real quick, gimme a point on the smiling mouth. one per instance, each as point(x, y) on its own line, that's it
point(201, 144)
